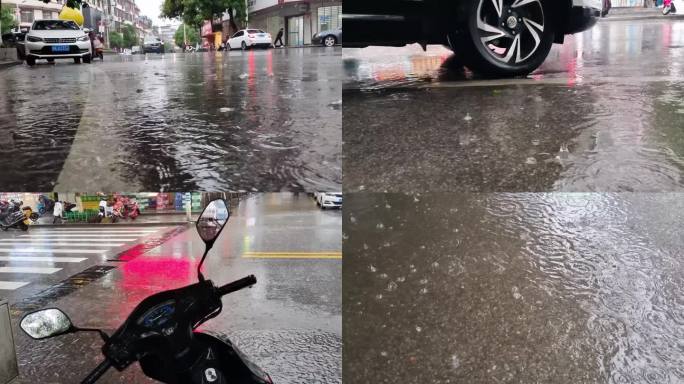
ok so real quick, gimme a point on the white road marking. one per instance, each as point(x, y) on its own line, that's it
point(11, 285)
point(39, 270)
point(82, 237)
point(46, 258)
point(47, 242)
point(43, 250)
point(97, 232)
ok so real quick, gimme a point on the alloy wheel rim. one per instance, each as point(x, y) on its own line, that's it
point(510, 30)
point(329, 41)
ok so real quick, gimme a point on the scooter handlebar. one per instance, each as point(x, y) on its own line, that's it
point(97, 372)
point(237, 285)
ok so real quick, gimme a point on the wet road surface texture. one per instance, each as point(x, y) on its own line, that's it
point(604, 113)
point(289, 323)
point(513, 288)
point(260, 120)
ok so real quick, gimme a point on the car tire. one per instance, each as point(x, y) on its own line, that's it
point(244, 46)
point(51, 61)
point(329, 41)
point(77, 60)
point(87, 59)
point(228, 48)
point(512, 41)
point(30, 61)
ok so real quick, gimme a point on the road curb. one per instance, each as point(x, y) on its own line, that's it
point(643, 17)
point(9, 64)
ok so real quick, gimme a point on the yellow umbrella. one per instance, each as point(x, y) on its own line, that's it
point(71, 14)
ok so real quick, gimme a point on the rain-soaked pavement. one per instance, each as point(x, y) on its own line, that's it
point(261, 120)
point(513, 288)
point(289, 323)
point(604, 113)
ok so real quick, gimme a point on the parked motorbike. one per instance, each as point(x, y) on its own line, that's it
point(45, 205)
point(18, 218)
point(161, 332)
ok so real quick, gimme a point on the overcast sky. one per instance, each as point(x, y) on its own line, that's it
point(151, 9)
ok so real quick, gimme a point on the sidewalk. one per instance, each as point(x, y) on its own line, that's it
point(624, 14)
point(8, 58)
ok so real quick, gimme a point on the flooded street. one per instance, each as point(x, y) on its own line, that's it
point(604, 113)
point(263, 120)
point(514, 288)
point(289, 323)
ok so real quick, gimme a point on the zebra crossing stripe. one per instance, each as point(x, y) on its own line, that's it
point(44, 258)
point(42, 243)
point(38, 270)
point(99, 232)
point(11, 285)
point(43, 250)
point(83, 237)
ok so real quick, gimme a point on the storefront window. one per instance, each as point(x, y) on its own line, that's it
point(330, 18)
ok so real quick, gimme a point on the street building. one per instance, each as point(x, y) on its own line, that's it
point(300, 19)
point(26, 11)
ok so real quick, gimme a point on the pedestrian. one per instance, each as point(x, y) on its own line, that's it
point(103, 207)
point(57, 212)
point(279, 39)
point(98, 48)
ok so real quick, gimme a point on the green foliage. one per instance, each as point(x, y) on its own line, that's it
point(194, 12)
point(191, 33)
point(7, 19)
point(130, 36)
point(116, 40)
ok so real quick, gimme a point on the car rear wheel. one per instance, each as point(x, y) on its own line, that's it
point(77, 60)
point(330, 41)
point(504, 37)
point(244, 46)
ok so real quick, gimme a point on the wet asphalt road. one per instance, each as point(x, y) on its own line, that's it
point(604, 113)
point(255, 121)
point(513, 288)
point(289, 323)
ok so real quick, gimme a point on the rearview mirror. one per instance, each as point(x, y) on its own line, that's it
point(212, 220)
point(46, 323)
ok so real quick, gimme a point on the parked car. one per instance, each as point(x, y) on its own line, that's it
point(328, 38)
point(57, 39)
point(328, 199)
point(250, 38)
point(136, 50)
point(491, 37)
point(152, 44)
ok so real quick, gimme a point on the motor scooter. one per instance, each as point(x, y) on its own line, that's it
point(669, 7)
point(18, 218)
point(45, 205)
point(161, 332)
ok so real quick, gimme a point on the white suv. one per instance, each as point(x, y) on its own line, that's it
point(57, 39)
point(329, 199)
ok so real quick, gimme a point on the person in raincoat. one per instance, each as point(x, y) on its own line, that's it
point(57, 212)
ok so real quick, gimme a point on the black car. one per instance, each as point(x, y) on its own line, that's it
point(153, 45)
point(491, 37)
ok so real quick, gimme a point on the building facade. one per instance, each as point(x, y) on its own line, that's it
point(26, 11)
point(300, 19)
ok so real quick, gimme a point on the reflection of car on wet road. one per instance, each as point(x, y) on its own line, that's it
point(57, 39)
point(328, 199)
point(250, 38)
point(328, 38)
point(492, 37)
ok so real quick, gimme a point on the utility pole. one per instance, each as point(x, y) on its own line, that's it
point(246, 13)
point(185, 38)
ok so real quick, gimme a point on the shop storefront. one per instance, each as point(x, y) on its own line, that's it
point(300, 19)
